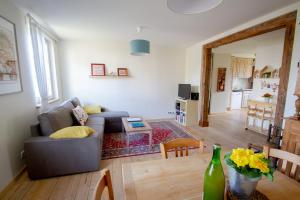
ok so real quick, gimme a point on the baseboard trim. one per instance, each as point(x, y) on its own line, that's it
point(12, 182)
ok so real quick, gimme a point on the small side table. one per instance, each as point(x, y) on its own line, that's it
point(129, 130)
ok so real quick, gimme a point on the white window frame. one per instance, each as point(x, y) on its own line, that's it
point(49, 56)
point(49, 48)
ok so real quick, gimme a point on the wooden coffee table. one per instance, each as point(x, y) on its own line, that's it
point(129, 130)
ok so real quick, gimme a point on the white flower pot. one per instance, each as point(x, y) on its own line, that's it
point(240, 185)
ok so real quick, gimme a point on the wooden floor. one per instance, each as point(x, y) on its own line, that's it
point(226, 129)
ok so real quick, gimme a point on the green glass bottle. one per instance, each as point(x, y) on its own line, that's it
point(214, 179)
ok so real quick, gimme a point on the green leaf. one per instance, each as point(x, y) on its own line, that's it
point(270, 176)
point(250, 172)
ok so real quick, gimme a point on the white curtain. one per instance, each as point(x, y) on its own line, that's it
point(38, 57)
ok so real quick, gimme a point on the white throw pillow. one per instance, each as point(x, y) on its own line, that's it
point(80, 115)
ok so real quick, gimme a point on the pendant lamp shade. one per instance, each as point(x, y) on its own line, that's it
point(140, 47)
point(192, 6)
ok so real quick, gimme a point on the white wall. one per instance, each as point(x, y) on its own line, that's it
point(193, 65)
point(194, 53)
point(150, 91)
point(17, 110)
point(269, 52)
point(220, 100)
point(240, 83)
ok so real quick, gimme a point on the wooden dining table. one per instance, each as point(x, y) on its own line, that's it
point(182, 179)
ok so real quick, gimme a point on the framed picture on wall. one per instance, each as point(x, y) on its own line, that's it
point(10, 77)
point(97, 69)
point(221, 79)
point(122, 72)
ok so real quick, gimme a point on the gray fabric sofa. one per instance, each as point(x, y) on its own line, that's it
point(46, 157)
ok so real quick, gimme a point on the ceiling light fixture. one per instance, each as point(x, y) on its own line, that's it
point(192, 6)
point(140, 47)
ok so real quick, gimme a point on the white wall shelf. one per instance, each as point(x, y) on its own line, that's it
point(186, 112)
point(109, 76)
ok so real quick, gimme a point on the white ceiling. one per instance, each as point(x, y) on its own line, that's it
point(249, 46)
point(118, 19)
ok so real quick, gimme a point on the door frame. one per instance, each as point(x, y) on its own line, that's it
point(287, 21)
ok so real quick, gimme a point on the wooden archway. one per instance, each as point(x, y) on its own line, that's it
point(287, 21)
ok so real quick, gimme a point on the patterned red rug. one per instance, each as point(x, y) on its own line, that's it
point(114, 144)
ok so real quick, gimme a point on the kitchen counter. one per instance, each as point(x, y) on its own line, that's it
point(239, 98)
point(241, 90)
point(259, 112)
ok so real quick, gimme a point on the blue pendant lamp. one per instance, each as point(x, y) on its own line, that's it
point(140, 47)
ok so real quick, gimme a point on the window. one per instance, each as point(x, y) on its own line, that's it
point(50, 67)
point(44, 71)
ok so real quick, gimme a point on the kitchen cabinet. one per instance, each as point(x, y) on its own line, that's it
point(236, 100)
point(242, 67)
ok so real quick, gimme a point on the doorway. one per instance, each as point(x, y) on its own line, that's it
point(247, 71)
point(286, 21)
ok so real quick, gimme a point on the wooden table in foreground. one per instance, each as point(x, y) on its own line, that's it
point(182, 178)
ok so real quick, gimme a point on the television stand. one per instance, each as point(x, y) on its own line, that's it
point(186, 111)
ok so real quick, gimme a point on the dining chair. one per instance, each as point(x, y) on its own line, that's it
point(288, 163)
point(265, 113)
point(105, 180)
point(273, 140)
point(251, 112)
point(262, 112)
point(179, 144)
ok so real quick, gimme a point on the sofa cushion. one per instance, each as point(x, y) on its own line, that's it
point(57, 118)
point(92, 109)
point(80, 115)
point(75, 101)
point(67, 105)
point(95, 120)
point(113, 120)
point(96, 123)
point(73, 132)
point(111, 116)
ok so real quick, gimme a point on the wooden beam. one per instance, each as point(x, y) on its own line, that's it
point(265, 27)
point(286, 21)
point(284, 72)
point(206, 70)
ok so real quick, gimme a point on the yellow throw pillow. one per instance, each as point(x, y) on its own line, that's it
point(92, 109)
point(73, 132)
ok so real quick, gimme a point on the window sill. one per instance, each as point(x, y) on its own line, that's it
point(49, 102)
point(53, 100)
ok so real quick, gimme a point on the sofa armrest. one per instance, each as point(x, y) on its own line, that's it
point(47, 157)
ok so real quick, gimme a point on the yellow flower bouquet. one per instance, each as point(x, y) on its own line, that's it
point(249, 164)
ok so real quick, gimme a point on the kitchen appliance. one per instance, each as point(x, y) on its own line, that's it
point(236, 100)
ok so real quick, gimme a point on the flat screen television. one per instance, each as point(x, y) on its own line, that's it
point(184, 91)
